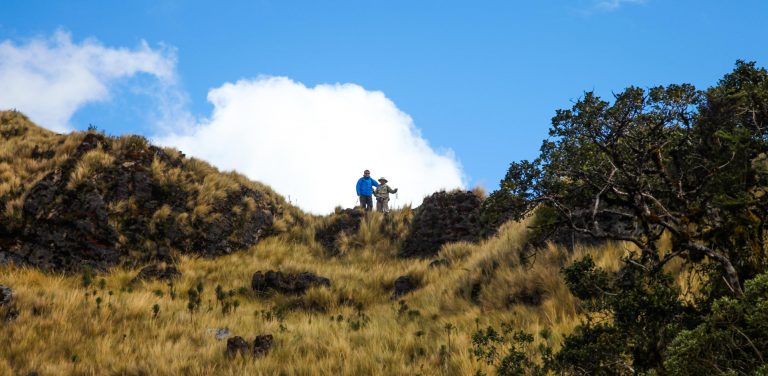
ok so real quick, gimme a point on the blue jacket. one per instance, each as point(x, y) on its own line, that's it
point(364, 186)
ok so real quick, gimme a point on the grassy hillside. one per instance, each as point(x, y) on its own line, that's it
point(88, 200)
point(353, 327)
point(411, 292)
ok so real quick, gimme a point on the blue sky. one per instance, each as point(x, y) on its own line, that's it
point(480, 78)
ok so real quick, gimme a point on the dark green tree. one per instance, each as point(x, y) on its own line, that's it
point(671, 162)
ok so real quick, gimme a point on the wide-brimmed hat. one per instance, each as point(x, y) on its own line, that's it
point(383, 179)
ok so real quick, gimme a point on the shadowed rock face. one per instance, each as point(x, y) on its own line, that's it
point(294, 284)
point(69, 227)
point(443, 217)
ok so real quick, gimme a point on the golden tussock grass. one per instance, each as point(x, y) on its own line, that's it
point(89, 164)
point(354, 327)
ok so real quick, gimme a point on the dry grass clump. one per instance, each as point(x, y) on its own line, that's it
point(165, 175)
point(89, 164)
point(354, 327)
point(379, 234)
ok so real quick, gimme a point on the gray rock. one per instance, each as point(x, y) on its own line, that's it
point(220, 333)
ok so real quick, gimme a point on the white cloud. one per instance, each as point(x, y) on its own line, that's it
point(611, 5)
point(51, 78)
point(313, 143)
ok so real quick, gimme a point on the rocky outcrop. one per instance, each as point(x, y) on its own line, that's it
point(443, 217)
point(98, 213)
point(345, 221)
point(67, 229)
point(292, 284)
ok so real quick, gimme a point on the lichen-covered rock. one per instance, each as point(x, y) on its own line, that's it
point(219, 333)
point(294, 284)
point(443, 217)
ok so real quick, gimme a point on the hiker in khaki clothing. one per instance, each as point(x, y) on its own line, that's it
point(382, 195)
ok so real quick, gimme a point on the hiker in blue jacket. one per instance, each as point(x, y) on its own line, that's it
point(365, 190)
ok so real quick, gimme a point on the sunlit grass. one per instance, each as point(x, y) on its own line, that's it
point(62, 330)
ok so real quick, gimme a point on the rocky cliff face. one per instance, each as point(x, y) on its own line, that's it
point(88, 200)
point(443, 217)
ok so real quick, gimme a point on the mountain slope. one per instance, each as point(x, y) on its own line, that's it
point(87, 200)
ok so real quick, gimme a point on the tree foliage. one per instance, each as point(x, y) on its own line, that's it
point(681, 173)
point(731, 340)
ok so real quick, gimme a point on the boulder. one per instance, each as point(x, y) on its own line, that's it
point(157, 272)
point(443, 217)
point(403, 285)
point(286, 283)
point(236, 345)
point(262, 344)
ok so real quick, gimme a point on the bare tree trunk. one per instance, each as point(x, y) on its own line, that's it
point(731, 276)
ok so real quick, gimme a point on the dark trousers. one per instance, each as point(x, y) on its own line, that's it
point(366, 202)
